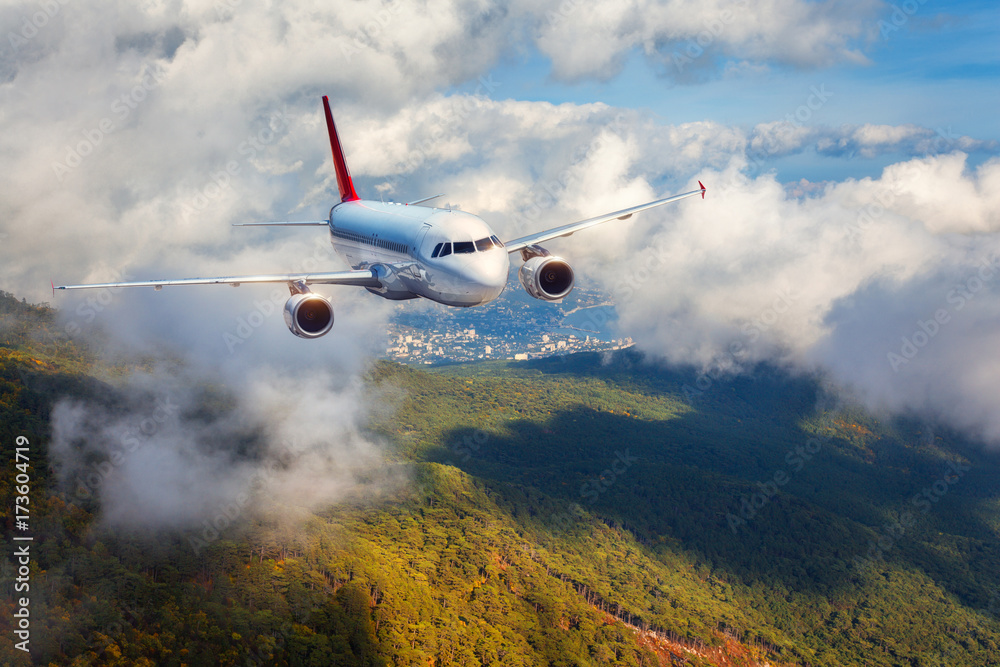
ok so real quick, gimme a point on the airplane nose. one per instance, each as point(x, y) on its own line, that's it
point(494, 272)
point(489, 274)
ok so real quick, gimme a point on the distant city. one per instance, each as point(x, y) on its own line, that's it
point(515, 326)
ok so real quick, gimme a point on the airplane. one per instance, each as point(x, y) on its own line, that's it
point(407, 250)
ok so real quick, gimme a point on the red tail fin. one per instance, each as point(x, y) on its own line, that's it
point(344, 181)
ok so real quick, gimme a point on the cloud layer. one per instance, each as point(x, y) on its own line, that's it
point(136, 134)
point(177, 450)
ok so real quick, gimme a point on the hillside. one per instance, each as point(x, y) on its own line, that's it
point(579, 510)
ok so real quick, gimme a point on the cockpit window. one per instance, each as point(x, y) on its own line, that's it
point(465, 247)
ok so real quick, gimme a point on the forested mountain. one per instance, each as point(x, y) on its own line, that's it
point(578, 510)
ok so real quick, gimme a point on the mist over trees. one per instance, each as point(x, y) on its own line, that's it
point(571, 511)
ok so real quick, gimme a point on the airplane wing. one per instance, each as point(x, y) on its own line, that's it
point(303, 223)
point(566, 230)
point(361, 278)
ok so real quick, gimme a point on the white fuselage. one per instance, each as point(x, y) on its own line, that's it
point(451, 257)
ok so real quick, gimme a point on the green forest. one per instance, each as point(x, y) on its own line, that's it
point(577, 510)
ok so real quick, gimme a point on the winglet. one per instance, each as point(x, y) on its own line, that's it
point(702, 189)
point(344, 181)
point(52, 282)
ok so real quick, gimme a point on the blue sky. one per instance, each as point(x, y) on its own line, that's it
point(940, 69)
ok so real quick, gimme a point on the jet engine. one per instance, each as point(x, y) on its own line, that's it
point(308, 315)
point(546, 277)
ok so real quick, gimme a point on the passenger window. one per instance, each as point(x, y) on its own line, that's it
point(484, 244)
point(437, 249)
point(464, 247)
point(446, 250)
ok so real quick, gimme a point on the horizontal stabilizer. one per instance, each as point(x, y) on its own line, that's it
point(421, 201)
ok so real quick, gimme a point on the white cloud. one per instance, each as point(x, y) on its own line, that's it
point(787, 136)
point(592, 39)
point(172, 450)
point(870, 140)
point(834, 282)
